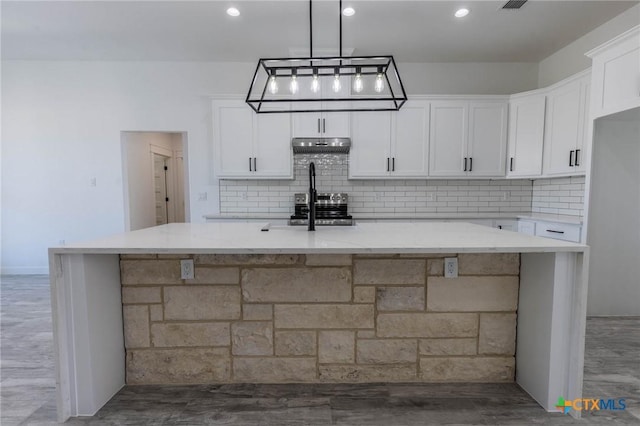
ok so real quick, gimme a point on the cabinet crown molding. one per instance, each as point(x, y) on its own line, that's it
point(630, 33)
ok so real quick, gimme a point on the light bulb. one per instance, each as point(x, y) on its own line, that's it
point(293, 86)
point(461, 13)
point(273, 85)
point(357, 83)
point(336, 83)
point(379, 86)
point(315, 84)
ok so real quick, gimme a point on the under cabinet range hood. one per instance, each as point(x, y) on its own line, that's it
point(321, 145)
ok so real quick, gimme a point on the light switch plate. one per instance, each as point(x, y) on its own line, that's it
point(450, 267)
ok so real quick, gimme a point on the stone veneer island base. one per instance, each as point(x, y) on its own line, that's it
point(319, 318)
point(363, 304)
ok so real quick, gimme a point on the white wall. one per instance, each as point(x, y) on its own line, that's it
point(571, 59)
point(62, 124)
point(469, 78)
point(614, 216)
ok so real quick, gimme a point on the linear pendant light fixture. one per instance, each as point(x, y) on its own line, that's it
point(319, 84)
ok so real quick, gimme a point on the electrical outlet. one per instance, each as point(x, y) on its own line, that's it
point(202, 196)
point(243, 195)
point(378, 196)
point(505, 195)
point(93, 182)
point(450, 267)
point(186, 269)
point(62, 242)
point(429, 196)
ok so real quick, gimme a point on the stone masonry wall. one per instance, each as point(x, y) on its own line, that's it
point(319, 318)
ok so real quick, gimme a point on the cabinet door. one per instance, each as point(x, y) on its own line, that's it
point(307, 125)
point(410, 147)
point(506, 224)
point(564, 128)
point(335, 125)
point(371, 139)
point(272, 150)
point(233, 138)
point(487, 147)
point(526, 136)
point(616, 75)
point(321, 125)
point(581, 146)
point(448, 138)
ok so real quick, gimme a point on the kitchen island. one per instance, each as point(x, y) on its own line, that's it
point(277, 304)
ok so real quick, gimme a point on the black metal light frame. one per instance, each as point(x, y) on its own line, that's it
point(304, 68)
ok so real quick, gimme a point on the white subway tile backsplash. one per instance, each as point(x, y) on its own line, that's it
point(559, 196)
point(402, 196)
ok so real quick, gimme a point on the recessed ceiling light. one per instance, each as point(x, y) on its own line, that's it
point(461, 13)
point(232, 11)
point(348, 11)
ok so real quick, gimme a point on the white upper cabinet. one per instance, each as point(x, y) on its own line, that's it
point(410, 143)
point(233, 138)
point(526, 135)
point(565, 127)
point(448, 138)
point(322, 124)
point(370, 154)
point(487, 138)
point(250, 145)
point(467, 138)
point(616, 74)
point(389, 144)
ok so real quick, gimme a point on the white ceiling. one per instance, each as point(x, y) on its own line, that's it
point(412, 31)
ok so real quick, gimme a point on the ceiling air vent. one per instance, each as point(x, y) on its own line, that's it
point(514, 4)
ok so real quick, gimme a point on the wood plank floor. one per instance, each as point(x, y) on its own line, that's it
point(27, 386)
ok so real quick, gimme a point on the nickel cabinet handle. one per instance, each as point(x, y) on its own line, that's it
point(255, 164)
point(577, 151)
point(318, 125)
point(250, 169)
point(324, 125)
point(393, 164)
point(511, 165)
point(470, 164)
point(465, 164)
point(387, 163)
point(571, 158)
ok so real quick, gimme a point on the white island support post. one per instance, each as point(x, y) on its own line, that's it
point(88, 323)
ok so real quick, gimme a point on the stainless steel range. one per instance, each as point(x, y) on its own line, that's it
point(331, 209)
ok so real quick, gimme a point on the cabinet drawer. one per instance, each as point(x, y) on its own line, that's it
point(559, 231)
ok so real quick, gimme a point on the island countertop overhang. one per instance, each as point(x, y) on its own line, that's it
point(367, 238)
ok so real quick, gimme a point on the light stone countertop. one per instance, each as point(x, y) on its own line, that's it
point(233, 238)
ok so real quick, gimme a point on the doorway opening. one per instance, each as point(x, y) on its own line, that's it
point(155, 179)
